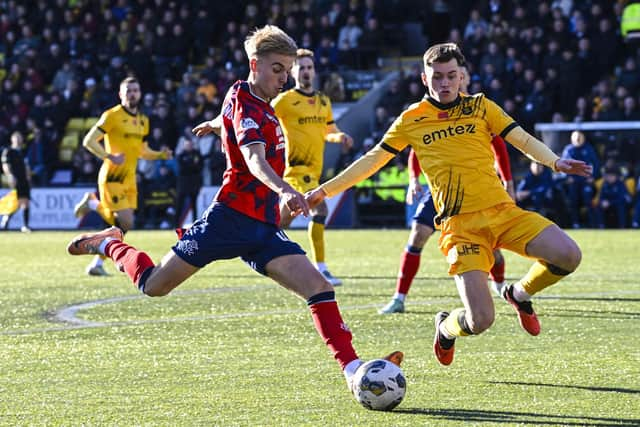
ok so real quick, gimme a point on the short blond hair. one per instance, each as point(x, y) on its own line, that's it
point(269, 39)
point(304, 53)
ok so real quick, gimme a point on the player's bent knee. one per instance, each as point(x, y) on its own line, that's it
point(480, 322)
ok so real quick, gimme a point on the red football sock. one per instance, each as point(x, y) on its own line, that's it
point(128, 259)
point(409, 265)
point(334, 332)
point(497, 272)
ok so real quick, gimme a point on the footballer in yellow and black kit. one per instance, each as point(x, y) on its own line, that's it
point(306, 121)
point(125, 133)
point(453, 145)
point(122, 130)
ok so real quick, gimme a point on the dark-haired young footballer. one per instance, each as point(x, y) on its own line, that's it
point(451, 135)
point(243, 219)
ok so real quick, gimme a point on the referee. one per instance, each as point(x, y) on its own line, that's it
point(16, 168)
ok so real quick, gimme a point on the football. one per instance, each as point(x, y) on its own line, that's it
point(379, 385)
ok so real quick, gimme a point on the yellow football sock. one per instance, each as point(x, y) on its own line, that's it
point(452, 325)
point(316, 237)
point(106, 214)
point(540, 276)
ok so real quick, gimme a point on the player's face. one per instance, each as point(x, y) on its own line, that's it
point(270, 73)
point(130, 95)
point(443, 80)
point(304, 72)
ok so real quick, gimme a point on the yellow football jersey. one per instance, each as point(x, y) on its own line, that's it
point(453, 145)
point(124, 133)
point(304, 120)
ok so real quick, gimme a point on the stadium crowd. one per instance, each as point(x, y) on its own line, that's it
point(543, 61)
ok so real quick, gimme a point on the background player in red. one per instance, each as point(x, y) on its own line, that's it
point(243, 219)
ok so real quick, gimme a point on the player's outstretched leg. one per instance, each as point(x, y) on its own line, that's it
point(83, 207)
point(90, 243)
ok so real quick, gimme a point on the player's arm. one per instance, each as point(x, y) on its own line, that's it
point(149, 154)
point(255, 158)
point(415, 188)
point(92, 143)
point(536, 150)
point(205, 128)
point(7, 171)
point(336, 135)
point(504, 164)
point(358, 171)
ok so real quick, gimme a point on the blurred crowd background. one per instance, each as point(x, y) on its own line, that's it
point(548, 61)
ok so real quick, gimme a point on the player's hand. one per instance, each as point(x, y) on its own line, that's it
point(314, 197)
point(508, 185)
point(116, 159)
point(295, 202)
point(204, 128)
point(168, 153)
point(415, 191)
point(574, 167)
point(347, 140)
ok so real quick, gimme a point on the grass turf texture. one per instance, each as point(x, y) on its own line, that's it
point(230, 347)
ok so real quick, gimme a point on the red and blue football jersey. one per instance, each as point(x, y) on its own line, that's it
point(247, 119)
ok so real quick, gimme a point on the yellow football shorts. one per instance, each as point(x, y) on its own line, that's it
point(116, 196)
point(468, 240)
point(302, 180)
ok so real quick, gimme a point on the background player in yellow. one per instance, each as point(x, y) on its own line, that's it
point(451, 134)
point(307, 122)
point(124, 130)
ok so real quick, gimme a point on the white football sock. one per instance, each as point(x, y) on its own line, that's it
point(520, 294)
point(351, 368)
point(400, 297)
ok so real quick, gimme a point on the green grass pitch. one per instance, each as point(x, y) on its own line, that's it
point(230, 347)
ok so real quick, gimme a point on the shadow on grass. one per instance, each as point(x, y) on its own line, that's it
point(578, 387)
point(524, 418)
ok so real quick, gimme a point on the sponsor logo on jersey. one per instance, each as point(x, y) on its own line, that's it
point(312, 120)
point(447, 132)
point(248, 123)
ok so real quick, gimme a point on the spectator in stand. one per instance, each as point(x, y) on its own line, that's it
point(380, 122)
point(535, 191)
point(189, 181)
point(348, 40)
point(613, 200)
point(159, 198)
point(630, 112)
point(369, 43)
point(580, 189)
point(394, 98)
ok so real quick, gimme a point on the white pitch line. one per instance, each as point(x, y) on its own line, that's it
point(68, 315)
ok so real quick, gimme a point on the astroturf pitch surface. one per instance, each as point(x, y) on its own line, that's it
point(230, 347)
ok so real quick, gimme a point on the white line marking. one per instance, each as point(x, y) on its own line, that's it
point(70, 321)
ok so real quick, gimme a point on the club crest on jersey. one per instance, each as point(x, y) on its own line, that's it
point(467, 110)
point(248, 123)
